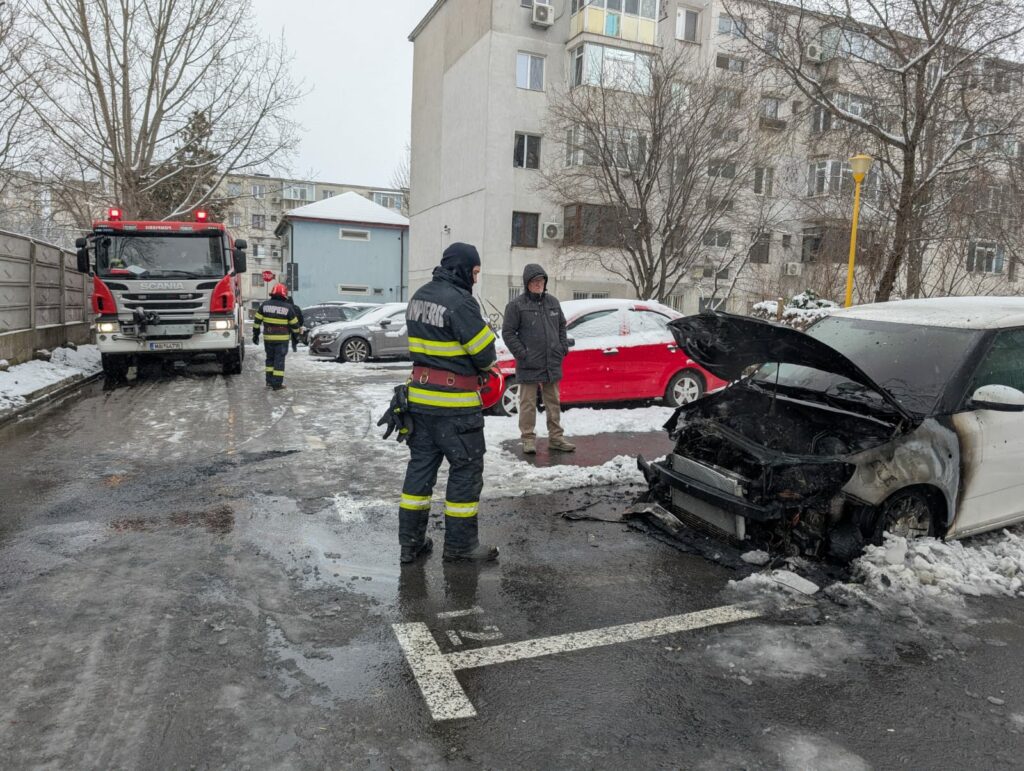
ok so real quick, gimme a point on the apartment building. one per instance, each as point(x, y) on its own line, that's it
point(255, 204)
point(485, 73)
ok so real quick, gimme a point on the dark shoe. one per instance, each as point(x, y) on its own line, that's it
point(480, 553)
point(561, 445)
point(529, 447)
point(410, 553)
point(280, 387)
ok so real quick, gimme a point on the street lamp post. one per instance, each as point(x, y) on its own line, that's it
point(860, 165)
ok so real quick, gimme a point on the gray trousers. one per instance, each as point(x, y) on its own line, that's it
point(528, 409)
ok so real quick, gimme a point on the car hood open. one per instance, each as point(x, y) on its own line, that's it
point(726, 345)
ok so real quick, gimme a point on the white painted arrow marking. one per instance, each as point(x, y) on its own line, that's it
point(435, 671)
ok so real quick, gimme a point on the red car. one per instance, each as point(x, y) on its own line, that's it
point(623, 351)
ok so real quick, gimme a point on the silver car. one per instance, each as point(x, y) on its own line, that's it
point(376, 333)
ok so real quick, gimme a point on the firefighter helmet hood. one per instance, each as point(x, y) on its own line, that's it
point(459, 259)
point(279, 290)
point(491, 391)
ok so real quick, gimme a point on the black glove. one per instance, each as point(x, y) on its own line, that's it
point(295, 344)
point(397, 417)
point(255, 337)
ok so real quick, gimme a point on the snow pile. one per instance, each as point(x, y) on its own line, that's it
point(20, 381)
point(800, 312)
point(991, 565)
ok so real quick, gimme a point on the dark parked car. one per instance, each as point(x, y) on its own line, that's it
point(327, 313)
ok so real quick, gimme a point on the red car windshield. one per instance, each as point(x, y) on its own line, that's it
point(143, 255)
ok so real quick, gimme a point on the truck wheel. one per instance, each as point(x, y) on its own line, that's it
point(231, 364)
point(115, 366)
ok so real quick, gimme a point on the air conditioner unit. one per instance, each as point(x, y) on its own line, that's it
point(793, 268)
point(275, 200)
point(543, 15)
point(813, 52)
point(552, 231)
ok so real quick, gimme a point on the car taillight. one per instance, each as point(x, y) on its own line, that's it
point(102, 299)
point(223, 299)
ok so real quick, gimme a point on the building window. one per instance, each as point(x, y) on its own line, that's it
point(297, 193)
point(612, 68)
point(524, 228)
point(530, 71)
point(770, 106)
point(259, 222)
point(810, 247)
point(728, 97)
point(716, 237)
point(730, 63)
point(234, 220)
point(256, 280)
point(325, 194)
point(589, 295)
point(722, 169)
point(787, 240)
point(526, 154)
point(256, 250)
point(727, 25)
point(764, 177)
point(824, 177)
point(350, 234)
point(714, 203)
point(984, 257)
point(234, 189)
point(353, 289)
point(579, 149)
point(760, 249)
point(593, 225)
point(259, 191)
point(388, 200)
point(687, 25)
point(514, 292)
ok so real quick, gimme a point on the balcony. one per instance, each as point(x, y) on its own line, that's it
point(771, 124)
point(628, 27)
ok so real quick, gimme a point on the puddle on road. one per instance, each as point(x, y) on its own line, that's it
point(219, 520)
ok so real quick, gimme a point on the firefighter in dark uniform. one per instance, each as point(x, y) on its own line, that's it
point(279, 320)
point(451, 347)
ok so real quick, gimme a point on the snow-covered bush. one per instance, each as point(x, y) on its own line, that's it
point(800, 312)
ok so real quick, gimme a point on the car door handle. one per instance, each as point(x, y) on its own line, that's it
point(609, 351)
point(673, 348)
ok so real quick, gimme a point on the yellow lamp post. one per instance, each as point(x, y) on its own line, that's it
point(860, 165)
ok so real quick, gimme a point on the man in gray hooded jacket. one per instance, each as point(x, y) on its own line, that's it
point(534, 331)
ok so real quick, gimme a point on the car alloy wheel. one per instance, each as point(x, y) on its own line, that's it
point(355, 350)
point(509, 402)
point(686, 386)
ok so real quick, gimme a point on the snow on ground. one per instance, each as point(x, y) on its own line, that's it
point(19, 381)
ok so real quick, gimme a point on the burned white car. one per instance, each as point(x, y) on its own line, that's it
point(904, 416)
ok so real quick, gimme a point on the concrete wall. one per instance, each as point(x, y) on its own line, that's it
point(42, 298)
point(325, 260)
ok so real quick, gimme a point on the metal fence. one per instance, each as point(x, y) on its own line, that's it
point(42, 297)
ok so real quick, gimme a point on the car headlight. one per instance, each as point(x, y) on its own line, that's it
point(107, 327)
point(327, 337)
point(222, 324)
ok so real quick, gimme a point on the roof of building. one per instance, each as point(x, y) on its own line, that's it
point(349, 207)
point(962, 312)
point(426, 20)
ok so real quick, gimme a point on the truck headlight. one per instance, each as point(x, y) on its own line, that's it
point(107, 327)
point(221, 324)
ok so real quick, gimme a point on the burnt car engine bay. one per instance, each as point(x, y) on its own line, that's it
point(780, 462)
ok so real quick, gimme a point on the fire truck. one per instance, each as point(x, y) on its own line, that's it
point(165, 290)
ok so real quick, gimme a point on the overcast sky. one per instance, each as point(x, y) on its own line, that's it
point(356, 59)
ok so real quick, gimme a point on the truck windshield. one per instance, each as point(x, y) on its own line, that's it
point(185, 255)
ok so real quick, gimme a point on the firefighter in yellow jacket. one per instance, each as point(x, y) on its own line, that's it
point(279, 320)
point(451, 347)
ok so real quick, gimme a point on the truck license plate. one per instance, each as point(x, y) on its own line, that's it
point(165, 346)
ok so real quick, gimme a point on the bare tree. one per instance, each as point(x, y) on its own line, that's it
point(923, 84)
point(402, 175)
point(659, 164)
point(15, 137)
point(119, 84)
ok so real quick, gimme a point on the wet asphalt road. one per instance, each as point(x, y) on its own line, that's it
point(196, 572)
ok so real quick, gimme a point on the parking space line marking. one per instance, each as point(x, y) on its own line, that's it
point(596, 638)
point(434, 675)
point(474, 611)
point(435, 671)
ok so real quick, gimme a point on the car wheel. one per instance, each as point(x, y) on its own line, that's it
point(908, 513)
point(508, 404)
point(684, 387)
point(355, 349)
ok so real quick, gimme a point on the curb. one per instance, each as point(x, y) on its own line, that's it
point(47, 394)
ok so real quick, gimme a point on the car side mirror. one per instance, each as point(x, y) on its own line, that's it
point(239, 255)
point(385, 322)
point(82, 254)
point(1000, 398)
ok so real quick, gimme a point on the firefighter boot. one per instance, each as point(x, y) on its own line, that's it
point(412, 535)
point(462, 544)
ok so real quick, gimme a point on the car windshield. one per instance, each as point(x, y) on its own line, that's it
point(912, 362)
point(186, 255)
point(376, 314)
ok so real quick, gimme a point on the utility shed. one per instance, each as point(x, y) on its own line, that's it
point(346, 248)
